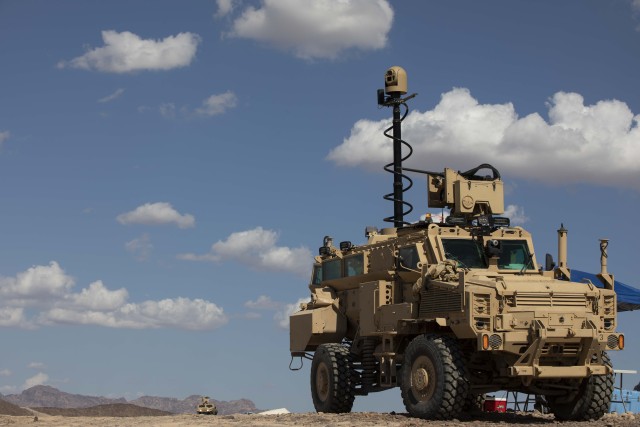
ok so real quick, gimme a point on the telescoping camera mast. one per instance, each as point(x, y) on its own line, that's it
point(451, 310)
point(395, 85)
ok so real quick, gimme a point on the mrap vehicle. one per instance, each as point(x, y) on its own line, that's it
point(449, 310)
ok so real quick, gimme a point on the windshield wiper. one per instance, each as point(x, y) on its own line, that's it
point(526, 266)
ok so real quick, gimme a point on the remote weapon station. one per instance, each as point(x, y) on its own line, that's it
point(454, 309)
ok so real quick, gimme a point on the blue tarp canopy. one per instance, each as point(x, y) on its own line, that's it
point(628, 297)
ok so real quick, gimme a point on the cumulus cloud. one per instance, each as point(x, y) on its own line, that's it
point(111, 97)
point(315, 29)
point(36, 365)
point(225, 7)
point(213, 105)
point(125, 52)
point(38, 379)
point(5, 373)
point(167, 110)
point(13, 316)
point(140, 247)
point(159, 213)
point(180, 313)
point(516, 214)
point(282, 316)
point(94, 305)
point(257, 248)
point(4, 136)
point(217, 104)
point(596, 144)
point(281, 310)
point(36, 283)
point(263, 303)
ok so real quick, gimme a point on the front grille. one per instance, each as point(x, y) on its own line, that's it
point(555, 299)
point(560, 349)
point(436, 300)
point(612, 341)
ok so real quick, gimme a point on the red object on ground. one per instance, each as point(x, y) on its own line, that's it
point(495, 404)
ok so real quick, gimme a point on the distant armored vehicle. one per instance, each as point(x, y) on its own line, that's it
point(454, 308)
point(205, 407)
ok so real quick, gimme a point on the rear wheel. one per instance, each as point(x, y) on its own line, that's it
point(591, 401)
point(331, 387)
point(434, 382)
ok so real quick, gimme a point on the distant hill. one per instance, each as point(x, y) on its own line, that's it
point(43, 396)
point(188, 405)
point(7, 408)
point(47, 396)
point(109, 410)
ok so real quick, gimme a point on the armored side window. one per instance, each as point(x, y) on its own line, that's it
point(467, 252)
point(515, 255)
point(354, 265)
point(409, 257)
point(332, 269)
point(317, 274)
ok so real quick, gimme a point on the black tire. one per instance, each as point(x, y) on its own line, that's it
point(332, 389)
point(474, 403)
point(434, 378)
point(590, 403)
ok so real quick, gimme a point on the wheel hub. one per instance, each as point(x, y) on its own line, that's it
point(322, 382)
point(421, 379)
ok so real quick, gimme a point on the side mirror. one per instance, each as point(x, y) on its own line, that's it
point(549, 263)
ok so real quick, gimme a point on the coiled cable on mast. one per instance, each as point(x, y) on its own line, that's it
point(391, 169)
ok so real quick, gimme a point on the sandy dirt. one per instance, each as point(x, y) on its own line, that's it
point(360, 419)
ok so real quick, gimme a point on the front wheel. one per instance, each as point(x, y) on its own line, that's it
point(591, 401)
point(331, 387)
point(434, 378)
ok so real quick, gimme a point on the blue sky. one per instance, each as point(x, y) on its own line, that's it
point(168, 168)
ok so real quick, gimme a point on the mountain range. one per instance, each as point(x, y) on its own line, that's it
point(47, 396)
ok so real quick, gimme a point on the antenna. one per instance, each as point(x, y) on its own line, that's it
point(395, 85)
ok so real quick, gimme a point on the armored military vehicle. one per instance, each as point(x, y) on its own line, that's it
point(450, 309)
point(206, 407)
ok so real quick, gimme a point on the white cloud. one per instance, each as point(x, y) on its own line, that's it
point(98, 297)
point(156, 214)
point(36, 283)
point(316, 29)
point(217, 104)
point(180, 313)
point(282, 317)
point(36, 365)
point(5, 373)
point(125, 52)
point(282, 310)
point(167, 110)
point(140, 247)
point(38, 379)
point(516, 214)
point(635, 5)
point(225, 7)
point(111, 97)
point(95, 305)
point(13, 316)
point(263, 303)
point(4, 136)
point(597, 144)
point(257, 248)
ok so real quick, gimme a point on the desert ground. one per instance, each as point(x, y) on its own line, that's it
point(360, 419)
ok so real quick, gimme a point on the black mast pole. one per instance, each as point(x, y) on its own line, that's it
point(398, 204)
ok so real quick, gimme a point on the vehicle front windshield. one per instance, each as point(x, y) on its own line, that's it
point(515, 255)
point(467, 252)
